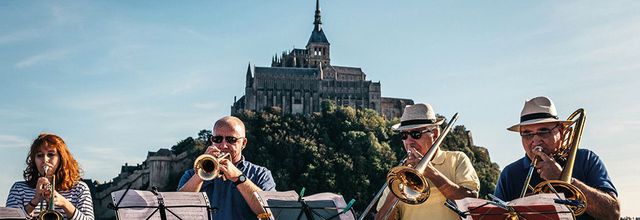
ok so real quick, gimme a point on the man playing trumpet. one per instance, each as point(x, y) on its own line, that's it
point(542, 135)
point(450, 173)
point(231, 197)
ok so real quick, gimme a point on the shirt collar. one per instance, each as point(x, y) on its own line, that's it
point(241, 163)
point(526, 162)
point(439, 158)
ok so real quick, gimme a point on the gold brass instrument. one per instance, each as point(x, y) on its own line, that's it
point(208, 166)
point(408, 184)
point(378, 195)
point(50, 213)
point(567, 151)
point(530, 173)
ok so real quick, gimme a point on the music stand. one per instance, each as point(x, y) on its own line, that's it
point(535, 207)
point(12, 213)
point(290, 205)
point(140, 204)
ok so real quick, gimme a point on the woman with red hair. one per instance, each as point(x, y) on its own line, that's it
point(71, 196)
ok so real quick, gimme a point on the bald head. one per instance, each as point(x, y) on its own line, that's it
point(230, 123)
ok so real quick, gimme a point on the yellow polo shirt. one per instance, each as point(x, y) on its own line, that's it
point(457, 167)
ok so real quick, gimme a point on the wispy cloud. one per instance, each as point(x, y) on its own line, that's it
point(18, 36)
point(11, 141)
point(42, 57)
point(206, 105)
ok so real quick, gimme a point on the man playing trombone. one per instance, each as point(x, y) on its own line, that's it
point(542, 135)
point(450, 173)
point(231, 195)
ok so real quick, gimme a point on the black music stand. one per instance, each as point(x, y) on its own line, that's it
point(498, 210)
point(305, 208)
point(143, 205)
point(12, 213)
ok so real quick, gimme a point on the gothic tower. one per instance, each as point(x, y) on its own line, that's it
point(318, 45)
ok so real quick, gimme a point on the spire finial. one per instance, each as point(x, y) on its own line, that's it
point(318, 21)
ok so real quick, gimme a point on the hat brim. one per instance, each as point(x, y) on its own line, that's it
point(516, 127)
point(397, 127)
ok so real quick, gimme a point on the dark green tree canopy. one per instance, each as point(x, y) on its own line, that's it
point(341, 150)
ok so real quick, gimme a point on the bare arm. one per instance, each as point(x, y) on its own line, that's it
point(192, 185)
point(247, 190)
point(600, 205)
point(448, 188)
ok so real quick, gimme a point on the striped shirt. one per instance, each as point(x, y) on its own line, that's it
point(80, 196)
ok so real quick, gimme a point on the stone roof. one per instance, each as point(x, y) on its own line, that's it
point(318, 37)
point(348, 70)
point(274, 72)
point(161, 152)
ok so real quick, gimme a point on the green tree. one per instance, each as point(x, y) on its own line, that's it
point(342, 150)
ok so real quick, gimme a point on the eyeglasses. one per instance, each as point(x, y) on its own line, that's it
point(542, 132)
point(230, 139)
point(414, 134)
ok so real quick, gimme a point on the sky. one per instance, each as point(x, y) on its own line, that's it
point(116, 79)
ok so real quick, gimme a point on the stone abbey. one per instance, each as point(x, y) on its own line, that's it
point(298, 81)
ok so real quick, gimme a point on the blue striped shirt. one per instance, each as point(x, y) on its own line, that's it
point(80, 196)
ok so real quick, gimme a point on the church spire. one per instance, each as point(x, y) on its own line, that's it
point(318, 20)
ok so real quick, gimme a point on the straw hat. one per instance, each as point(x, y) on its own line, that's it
point(417, 116)
point(535, 111)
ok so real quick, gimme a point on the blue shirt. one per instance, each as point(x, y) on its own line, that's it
point(226, 201)
point(588, 168)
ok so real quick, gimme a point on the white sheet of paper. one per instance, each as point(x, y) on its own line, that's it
point(147, 198)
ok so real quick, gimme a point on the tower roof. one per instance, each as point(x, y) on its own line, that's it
point(317, 36)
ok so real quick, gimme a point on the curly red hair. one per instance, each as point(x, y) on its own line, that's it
point(68, 172)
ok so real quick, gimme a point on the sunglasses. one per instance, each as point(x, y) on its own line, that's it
point(230, 139)
point(414, 134)
point(542, 132)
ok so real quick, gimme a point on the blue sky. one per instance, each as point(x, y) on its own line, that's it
point(117, 79)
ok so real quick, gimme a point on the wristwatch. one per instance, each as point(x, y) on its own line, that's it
point(240, 180)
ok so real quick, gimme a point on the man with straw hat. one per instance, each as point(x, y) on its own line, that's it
point(450, 173)
point(541, 133)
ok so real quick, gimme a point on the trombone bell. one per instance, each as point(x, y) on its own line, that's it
point(408, 185)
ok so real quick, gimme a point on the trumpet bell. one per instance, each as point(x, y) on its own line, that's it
point(50, 215)
point(570, 192)
point(207, 167)
point(408, 185)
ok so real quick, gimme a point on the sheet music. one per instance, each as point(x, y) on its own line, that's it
point(148, 199)
point(288, 207)
point(11, 213)
point(531, 204)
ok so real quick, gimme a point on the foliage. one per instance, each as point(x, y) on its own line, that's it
point(340, 150)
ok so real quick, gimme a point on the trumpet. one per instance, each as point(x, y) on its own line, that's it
point(208, 166)
point(50, 213)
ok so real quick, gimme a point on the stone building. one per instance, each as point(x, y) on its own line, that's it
point(161, 169)
point(298, 81)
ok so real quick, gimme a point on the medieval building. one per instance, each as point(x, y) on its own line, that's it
point(298, 81)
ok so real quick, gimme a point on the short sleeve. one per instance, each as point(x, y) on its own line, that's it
point(266, 181)
point(185, 177)
point(466, 175)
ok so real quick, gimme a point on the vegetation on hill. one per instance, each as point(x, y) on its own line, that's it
point(340, 149)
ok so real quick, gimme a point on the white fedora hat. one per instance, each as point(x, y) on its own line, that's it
point(417, 116)
point(537, 110)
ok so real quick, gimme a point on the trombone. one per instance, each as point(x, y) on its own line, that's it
point(378, 195)
point(208, 166)
point(50, 213)
point(407, 183)
point(567, 151)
